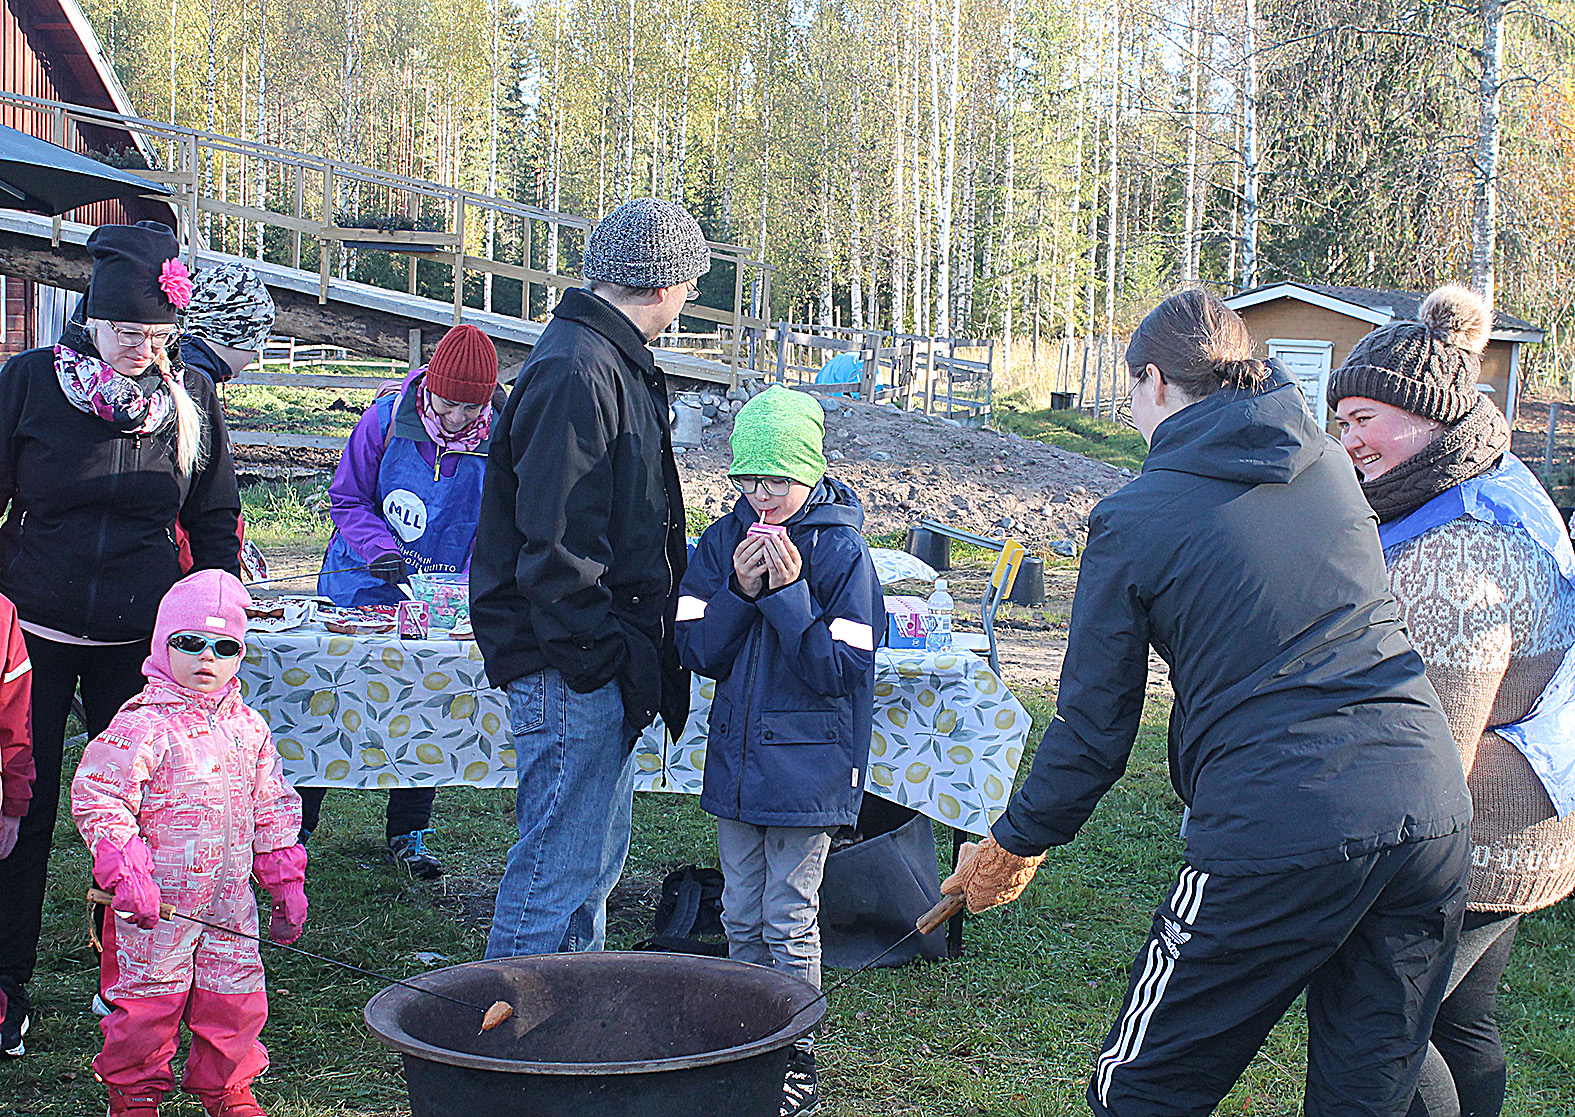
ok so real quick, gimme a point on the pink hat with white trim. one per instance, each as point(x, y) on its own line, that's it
point(207, 601)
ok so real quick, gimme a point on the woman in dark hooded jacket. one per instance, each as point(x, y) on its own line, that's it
point(1326, 814)
point(105, 445)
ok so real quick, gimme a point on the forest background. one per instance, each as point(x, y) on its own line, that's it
point(1032, 170)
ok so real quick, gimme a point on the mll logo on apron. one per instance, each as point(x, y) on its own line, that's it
point(406, 513)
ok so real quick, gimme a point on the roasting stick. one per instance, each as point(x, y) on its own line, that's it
point(491, 1017)
point(302, 574)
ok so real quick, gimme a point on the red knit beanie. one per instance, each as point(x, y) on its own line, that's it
point(465, 367)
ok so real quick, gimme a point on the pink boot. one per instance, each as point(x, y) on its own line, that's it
point(233, 1103)
point(134, 1103)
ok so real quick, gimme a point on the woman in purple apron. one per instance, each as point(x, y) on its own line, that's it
point(404, 500)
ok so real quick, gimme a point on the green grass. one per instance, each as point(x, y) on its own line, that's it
point(326, 411)
point(1010, 1029)
point(1082, 434)
point(287, 512)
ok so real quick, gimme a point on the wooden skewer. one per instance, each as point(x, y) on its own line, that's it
point(492, 1015)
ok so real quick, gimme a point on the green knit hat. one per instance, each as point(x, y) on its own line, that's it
point(779, 434)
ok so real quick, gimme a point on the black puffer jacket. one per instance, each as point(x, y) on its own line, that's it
point(1304, 730)
point(581, 548)
point(86, 547)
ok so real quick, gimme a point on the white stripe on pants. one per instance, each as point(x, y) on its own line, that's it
point(1158, 964)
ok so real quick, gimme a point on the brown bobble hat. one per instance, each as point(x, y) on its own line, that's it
point(465, 367)
point(1428, 367)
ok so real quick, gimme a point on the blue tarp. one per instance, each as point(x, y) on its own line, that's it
point(844, 368)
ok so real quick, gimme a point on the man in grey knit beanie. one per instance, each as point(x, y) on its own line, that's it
point(575, 574)
point(646, 243)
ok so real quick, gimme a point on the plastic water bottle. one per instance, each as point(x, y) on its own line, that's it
point(939, 630)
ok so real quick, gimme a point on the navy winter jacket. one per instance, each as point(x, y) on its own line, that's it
point(794, 669)
point(1304, 730)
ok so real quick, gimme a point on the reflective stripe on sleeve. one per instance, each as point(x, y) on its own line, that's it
point(853, 633)
point(690, 608)
point(18, 671)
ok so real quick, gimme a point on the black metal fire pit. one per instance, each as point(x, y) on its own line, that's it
point(620, 1035)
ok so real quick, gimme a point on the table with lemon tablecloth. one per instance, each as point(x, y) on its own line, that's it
point(374, 711)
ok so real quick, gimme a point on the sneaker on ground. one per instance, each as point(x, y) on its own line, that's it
point(799, 1097)
point(101, 1007)
point(410, 852)
point(134, 1103)
point(235, 1103)
point(18, 1006)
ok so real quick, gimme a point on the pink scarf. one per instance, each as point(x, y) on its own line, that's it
point(467, 439)
point(96, 388)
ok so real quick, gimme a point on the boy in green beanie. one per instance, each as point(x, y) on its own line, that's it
point(782, 607)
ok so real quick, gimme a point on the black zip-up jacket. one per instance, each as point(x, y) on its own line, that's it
point(581, 545)
point(1304, 730)
point(87, 545)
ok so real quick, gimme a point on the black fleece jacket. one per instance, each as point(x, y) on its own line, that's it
point(581, 544)
point(86, 547)
point(1304, 730)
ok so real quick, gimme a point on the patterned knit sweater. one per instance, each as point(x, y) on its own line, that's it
point(1491, 617)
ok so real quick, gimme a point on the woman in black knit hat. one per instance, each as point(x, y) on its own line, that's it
point(104, 446)
point(1480, 562)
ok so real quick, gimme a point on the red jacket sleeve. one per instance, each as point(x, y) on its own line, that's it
point(16, 718)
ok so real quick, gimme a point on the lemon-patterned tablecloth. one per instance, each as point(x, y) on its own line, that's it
point(381, 712)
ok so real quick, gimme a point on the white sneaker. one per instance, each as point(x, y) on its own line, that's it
point(101, 1007)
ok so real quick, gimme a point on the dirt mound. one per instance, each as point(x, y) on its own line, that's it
point(907, 466)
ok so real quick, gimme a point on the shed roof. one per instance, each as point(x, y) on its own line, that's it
point(1374, 305)
point(60, 32)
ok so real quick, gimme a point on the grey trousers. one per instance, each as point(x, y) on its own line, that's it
point(771, 901)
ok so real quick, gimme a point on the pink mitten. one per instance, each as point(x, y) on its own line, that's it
point(128, 870)
point(283, 873)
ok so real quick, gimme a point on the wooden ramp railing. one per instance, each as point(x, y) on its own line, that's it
point(432, 242)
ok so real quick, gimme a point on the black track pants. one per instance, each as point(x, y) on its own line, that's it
point(1370, 940)
point(409, 808)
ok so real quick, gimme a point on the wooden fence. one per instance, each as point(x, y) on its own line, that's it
point(935, 374)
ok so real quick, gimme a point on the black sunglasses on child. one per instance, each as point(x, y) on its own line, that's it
point(192, 643)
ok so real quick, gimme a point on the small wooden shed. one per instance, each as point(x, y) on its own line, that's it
point(1311, 328)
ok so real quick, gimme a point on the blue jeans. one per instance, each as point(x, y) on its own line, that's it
point(573, 808)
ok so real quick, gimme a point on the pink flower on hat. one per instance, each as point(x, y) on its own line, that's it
point(175, 282)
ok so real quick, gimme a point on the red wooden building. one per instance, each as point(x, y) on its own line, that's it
point(49, 51)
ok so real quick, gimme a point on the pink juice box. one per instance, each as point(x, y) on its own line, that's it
point(413, 620)
point(907, 619)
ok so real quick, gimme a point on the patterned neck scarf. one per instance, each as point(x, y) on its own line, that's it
point(468, 438)
point(96, 388)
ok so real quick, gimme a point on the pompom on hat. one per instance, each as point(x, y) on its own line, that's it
point(647, 242)
point(1429, 366)
point(137, 274)
point(464, 369)
point(207, 601)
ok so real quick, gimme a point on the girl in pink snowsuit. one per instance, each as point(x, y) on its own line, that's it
point(182, 800)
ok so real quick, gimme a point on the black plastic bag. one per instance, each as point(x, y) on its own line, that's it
point(875, 889)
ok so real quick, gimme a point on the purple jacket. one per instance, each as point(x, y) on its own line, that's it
point(355, 503)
